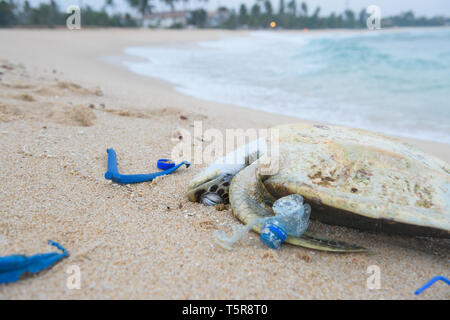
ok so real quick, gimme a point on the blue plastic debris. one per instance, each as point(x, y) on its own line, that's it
point(291, 219)
point(273, 236)
point(12, 267)
point(430, 283)
point(165, 164)
point(114, 175)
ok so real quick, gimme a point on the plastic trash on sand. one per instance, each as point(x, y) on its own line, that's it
point(291, 219)
point(12, 267)
point(239, 231)
point(114, 175)
point(430, 283)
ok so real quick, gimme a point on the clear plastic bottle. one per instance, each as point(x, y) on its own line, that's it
point(291, 219)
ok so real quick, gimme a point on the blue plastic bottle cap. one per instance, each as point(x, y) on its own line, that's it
point(165, 164)
point(273, 236)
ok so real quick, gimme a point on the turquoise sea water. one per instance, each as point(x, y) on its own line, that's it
point(396, 82)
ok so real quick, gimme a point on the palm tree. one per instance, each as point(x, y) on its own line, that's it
point(315, 18)
point(268, 12)
point(243, 15)
point(26, 12)
point(255, 15)
point(109, 3)
point(170, 3)
point(268, 8)
point(143, 6)
point(350, 19)
point(292, 6)
point(362, 18)
point(51, 14)
point(281, 9)
point(305, 8)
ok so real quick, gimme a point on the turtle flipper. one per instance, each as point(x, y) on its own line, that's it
point(313, 241)
point(248, 200)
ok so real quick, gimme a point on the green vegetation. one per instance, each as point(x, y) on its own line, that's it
point(50, 15)
point(292, 14)
point(7, 15)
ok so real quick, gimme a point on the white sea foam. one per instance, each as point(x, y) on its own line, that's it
point(393, 82)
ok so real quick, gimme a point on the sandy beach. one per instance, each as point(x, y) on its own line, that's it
point(64, 100)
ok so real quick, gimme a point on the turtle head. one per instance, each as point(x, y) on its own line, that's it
point(211, 186)
point(211, 190)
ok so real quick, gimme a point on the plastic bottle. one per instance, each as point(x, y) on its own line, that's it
point(291, 219)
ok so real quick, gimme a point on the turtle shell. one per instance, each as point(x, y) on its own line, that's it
point(363, 179)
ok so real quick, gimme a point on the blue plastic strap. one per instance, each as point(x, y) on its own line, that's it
point(12, 267)
point(430, 283)
point(114, 175)
point(165, 164)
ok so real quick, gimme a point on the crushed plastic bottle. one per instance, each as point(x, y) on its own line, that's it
point(291, 219)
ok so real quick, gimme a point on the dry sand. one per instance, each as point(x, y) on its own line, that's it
point(62, 104)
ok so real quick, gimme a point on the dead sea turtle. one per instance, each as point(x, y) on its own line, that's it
point(350, 177)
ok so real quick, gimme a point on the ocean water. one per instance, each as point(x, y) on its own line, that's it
point(395, 82)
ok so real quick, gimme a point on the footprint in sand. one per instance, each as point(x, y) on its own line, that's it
point(127, 113)
point(7, 66)
point(21, 86)
point(25, 97)
point(168, 111)
point(73, 116)
point(46, 91)
point(75, 88)
point(142, 114)
point(9, 113)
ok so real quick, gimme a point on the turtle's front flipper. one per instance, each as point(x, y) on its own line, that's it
point(248, 202)
point(313, 241)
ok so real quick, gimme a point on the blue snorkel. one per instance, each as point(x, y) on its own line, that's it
point(114, 175)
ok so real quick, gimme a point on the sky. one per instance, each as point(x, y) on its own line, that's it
point(388, 7)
